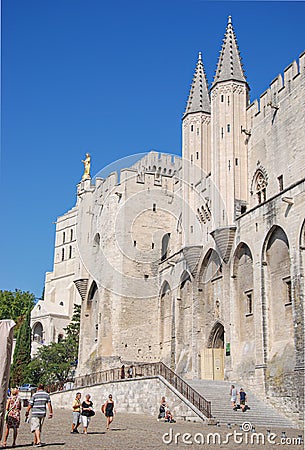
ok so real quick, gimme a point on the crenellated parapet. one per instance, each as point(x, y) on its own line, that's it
point(279, 88)
point(153, 170)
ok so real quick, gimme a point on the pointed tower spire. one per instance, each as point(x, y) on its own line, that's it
point(198, 100)
point(229, 63)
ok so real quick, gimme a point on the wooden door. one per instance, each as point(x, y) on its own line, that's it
point(212, 364)
point(218, 363)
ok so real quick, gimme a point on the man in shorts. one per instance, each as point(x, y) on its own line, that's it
point(38, 404)
point(242, 399)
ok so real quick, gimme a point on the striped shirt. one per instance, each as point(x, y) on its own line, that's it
point(39, 402)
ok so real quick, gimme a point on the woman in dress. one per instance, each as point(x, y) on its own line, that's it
point(109, 411)
point(13, 408)
point(86, 412)
point(233, 395)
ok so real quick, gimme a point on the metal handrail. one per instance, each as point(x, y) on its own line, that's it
point(149, 369)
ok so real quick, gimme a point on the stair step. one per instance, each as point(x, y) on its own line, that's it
point(217, 392)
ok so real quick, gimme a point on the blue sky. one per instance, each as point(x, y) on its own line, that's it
point(112, 79)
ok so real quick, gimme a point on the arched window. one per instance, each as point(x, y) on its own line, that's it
point(38, 332)
point(260, 185)
point(97, 240)
point(165, 246)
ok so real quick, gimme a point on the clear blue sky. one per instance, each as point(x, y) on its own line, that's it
point(111, 78)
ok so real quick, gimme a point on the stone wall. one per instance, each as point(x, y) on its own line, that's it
point(140, 396)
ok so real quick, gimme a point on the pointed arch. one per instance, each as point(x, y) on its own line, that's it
point(259, 184)
point(183, 322)
point(92, 291)
point(166, 325)
point(185, 276)
point(165, 287)
point(277, 292)
point(302, 236)
point(216, 336)
point(211, 266)
point(241, 251)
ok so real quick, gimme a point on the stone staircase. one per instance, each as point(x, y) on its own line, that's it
point(260, 414)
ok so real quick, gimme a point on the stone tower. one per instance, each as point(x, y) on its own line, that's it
point(229, 100)
point(195, 148)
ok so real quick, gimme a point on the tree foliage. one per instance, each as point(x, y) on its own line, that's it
point(22, 352)
point(55, 363)
point(15, 305)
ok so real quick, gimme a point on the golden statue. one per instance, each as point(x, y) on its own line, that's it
point(86, 175)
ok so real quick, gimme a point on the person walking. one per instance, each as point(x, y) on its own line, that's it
point(233, 395)
point(13, 408)
point(76, 413)
point(87, 412)
point(38, 407)
point(130, 371)
point(109, 411)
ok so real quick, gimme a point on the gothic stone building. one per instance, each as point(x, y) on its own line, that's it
point(197, 261)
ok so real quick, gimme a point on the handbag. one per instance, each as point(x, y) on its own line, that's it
point(9, 410)
point(91, 413)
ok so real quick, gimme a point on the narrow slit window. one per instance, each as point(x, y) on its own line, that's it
point(281, 182)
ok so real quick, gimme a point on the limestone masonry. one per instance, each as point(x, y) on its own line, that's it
point(196, 261)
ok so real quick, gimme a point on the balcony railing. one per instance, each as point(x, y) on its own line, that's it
point(149, 370)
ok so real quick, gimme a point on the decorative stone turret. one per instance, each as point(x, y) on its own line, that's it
point(229, 63)
point(229, 100)
point(198, 100)
point(195, 148)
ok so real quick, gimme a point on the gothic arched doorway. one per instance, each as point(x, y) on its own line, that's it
point(212, 357)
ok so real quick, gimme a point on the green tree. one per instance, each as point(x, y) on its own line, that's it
point(55, 363)
point(22, 352)
point(15, 305)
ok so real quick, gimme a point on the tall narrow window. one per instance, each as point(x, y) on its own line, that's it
point(70, 251)
point(63, 237)
point(228, 128)
point(71, 235)
point(222, 98)
point(192, 127)
point(288, 293)
point(62, 254)
point(249, 303)
point(221, 133)
point(154, 207)
point(281, 182)
point(197, 155)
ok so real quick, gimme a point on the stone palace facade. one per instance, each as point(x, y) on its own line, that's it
point(196, 261)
